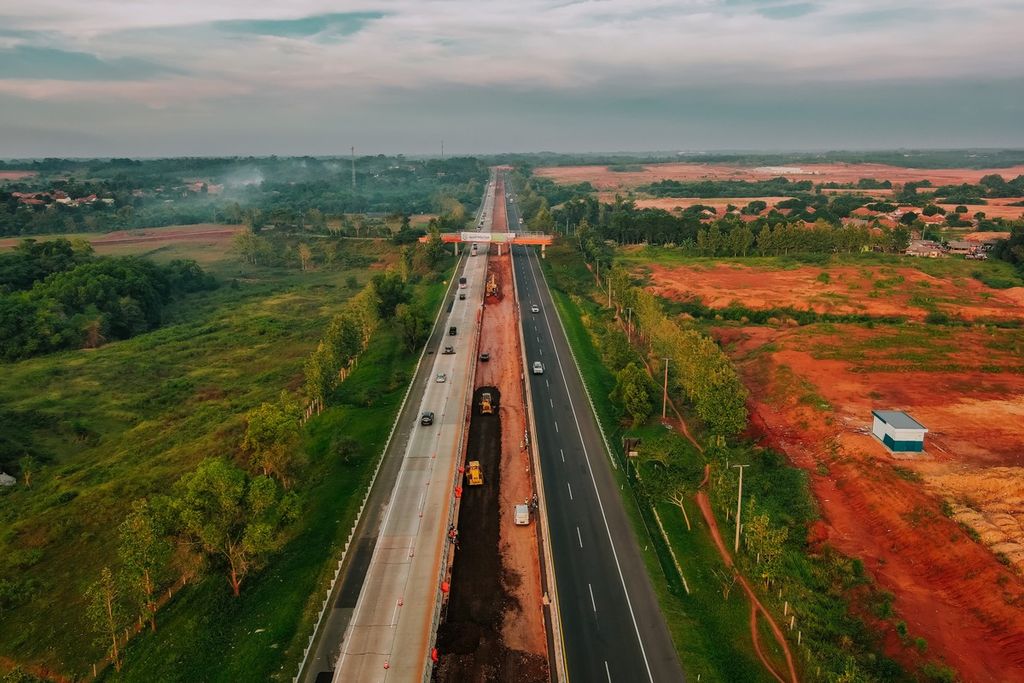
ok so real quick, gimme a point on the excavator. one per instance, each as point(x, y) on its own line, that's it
point(492, 286)
point(474, 475)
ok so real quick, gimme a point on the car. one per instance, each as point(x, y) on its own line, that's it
point(484, 357)
point(462, 296)
point(427, 418)
point(534, 308)
point(442, 377)
point(452, 331)
point(448, 350)
point(538, 368)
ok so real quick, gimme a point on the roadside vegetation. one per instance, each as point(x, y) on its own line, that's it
point(840, 618)
point(169, 485)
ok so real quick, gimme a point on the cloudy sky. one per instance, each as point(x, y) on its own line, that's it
point(155, 77)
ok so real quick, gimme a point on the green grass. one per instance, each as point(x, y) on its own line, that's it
point(128, 419)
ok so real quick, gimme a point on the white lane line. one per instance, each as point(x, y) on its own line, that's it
point(556, 426)
point(592, 603)
point(546, 383)
point(541, 351)
point(538, 340)
point(552, 402)
point(579, 537)
point(394, 615)
point(590, 468)
point(569, 486)
point(561, 453)
point(608, 671)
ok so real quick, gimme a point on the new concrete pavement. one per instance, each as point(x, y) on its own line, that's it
point(612, 625)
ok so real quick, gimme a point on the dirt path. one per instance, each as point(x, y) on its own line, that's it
point(756, 606)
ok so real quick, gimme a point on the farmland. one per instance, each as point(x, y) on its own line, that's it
point(942, 531)
point(603, 178)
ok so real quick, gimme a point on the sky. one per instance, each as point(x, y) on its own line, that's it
point(212, 77)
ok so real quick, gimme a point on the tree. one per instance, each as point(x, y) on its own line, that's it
point(305, 256)
point(390, 291)
point(272, 437)
point(144, 551)
point(632, 389)
point(415, 328)
point(227, 516)
point(105, 612)
point(764, 542)
point(28, 466)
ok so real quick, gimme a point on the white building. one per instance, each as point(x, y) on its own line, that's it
point(898, 431)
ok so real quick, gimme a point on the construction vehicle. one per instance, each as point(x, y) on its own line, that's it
point(486, 404)
point(474, 475)
point(492, 285)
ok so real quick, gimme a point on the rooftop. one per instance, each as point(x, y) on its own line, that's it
point(898, 419)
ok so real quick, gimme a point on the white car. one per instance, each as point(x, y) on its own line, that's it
point(441, 377)
point(535, 309)
point(522, 515)
point(538, 368)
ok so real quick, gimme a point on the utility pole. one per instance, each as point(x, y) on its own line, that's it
point(664, 395)
point(739, 508)
point(353, 167)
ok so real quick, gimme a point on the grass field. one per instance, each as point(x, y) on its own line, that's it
point(126, 420)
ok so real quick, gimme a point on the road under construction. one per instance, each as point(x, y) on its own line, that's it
point(443, 584)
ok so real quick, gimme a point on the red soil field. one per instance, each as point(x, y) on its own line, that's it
point(603, 179)
point(950, 590)
point(173, 233)
point(850, 290)
point(16, 175)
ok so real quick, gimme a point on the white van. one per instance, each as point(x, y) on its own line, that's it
point(522, 516)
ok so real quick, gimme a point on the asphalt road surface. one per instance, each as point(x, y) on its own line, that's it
point(612, 625)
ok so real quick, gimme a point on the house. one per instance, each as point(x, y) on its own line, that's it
point(962, 247)
point(7, 480)
point(924, 248)
point(898, 431)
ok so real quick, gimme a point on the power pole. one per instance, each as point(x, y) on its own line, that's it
point(739, 508)
point(664, 395)
point(353, 167)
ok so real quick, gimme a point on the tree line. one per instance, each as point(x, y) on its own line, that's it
point(60, 295)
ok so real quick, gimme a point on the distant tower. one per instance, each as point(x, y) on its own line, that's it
point(353, 168)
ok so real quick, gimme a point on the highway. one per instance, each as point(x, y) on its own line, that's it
point(383, 606)
point(612, 625)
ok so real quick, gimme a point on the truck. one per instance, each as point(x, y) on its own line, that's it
point(486, 403)
point(474, 475)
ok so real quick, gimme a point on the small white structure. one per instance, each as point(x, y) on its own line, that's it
point(898, 431)
point(7, 480)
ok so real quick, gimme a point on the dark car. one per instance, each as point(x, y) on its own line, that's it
point(427, 418)
point(485, 356)
point(453, 330)
point(462, 296)
point(448, 350)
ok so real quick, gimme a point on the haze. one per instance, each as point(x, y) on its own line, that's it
point(227, 77)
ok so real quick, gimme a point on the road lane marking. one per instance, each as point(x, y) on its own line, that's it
point(579, 537)
point(552, 402)
point(547, 384)
point(579, 430)
point(592, 603)
point(608, 671)
point(561, 453)
point(556, 426)
point(569, 486)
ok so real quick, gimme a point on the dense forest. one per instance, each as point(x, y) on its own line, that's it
point(58, 295)
point(71, 196)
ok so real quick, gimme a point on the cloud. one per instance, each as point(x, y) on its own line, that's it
point(29, 62)
point(321, 26)
point(198, 58)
